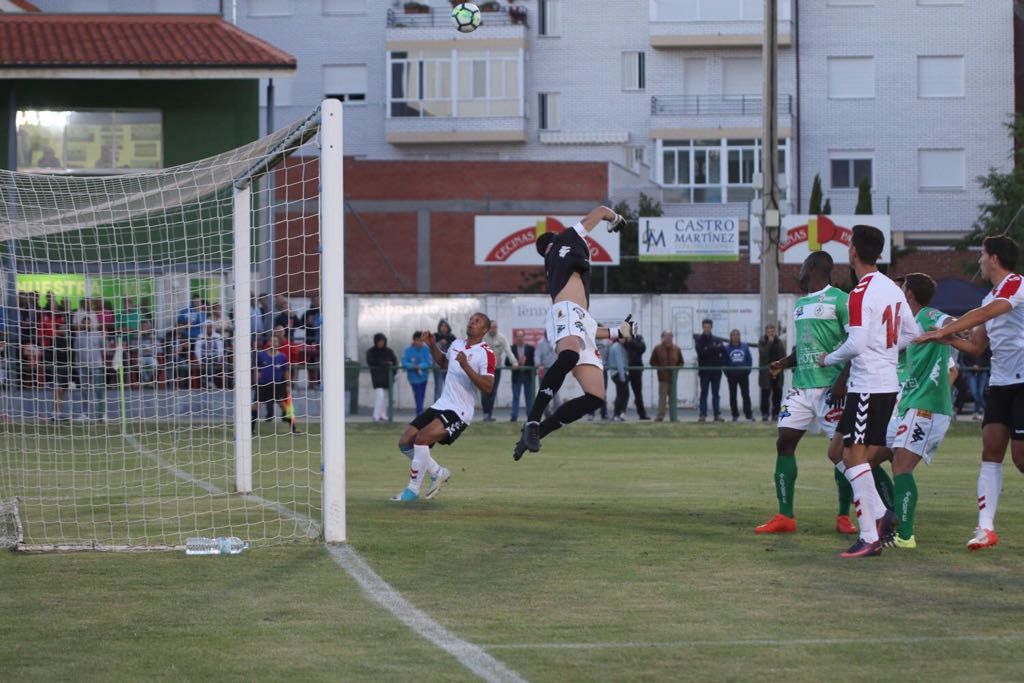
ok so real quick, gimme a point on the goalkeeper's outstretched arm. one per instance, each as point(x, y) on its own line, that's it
point(602, 213)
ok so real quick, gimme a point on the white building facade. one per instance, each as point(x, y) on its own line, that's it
point(914, 94)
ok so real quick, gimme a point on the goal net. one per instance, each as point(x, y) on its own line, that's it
point(142, 315)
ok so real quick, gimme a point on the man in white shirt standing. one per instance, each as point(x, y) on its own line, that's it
point(469, 365)
point(880, 321)
point(999, 324)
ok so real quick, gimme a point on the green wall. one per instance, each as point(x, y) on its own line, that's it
point(200, 118)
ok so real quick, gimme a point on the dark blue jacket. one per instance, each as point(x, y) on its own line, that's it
point(710, 350)
point(738, 359)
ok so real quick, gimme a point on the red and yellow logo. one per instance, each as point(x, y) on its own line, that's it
point(816, 232)
point(526, 236)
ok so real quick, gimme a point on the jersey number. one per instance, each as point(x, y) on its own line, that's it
point(892, 325)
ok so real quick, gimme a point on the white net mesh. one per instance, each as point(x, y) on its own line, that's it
point(118, 360)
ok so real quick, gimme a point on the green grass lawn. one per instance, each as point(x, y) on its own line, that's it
point(621, 552)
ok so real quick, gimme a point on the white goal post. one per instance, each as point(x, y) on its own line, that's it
point(171, 347)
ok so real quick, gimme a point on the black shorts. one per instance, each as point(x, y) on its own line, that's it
point(267, 393)
point(866, 418)
point(1005, 405)
point(453, 424)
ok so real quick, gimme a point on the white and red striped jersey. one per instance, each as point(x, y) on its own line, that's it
point(881, 323)
point(1006, 333)
point(459, 391)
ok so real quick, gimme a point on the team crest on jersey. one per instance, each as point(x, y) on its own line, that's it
point(799, 311)
point(819, 310)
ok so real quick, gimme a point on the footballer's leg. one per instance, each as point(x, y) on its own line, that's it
point(568, 349)
point(591, 380)
point(844, 492)
point(995, 437)
point(785, 482)
point(905, 496)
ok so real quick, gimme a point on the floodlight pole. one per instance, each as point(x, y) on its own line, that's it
point(770, 219)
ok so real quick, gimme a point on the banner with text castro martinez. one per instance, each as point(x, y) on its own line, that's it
point(509, 240)
point(689, 239)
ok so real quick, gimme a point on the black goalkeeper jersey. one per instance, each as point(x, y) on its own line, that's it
point(569, 254)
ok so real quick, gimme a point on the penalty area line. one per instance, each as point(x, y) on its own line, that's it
point(772, 642)
point(471, 656)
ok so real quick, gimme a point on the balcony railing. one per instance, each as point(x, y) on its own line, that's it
point(440, 17)
point(716, 105)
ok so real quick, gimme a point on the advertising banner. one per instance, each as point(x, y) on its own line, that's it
point(689, 239)
point(508, 240)
point(800, 235)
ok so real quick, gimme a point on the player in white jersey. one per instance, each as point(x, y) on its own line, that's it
point(469, 365)
point(999, 324)
point(880, 320)
point(572, 328)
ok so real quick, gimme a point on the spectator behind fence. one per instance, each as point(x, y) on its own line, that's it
point(193, 316)
point(178, 353)
point(635, 349)
point(740, 362)
point(544, 356)
point(222, 323)
point(149, 354)
point(502, 356)
point(61, 368)
point(603, 348)
point(976, 374)
point(666, 355)
point(381, 360)
point(618, 362)
point(417, 363)
point(284, 316)
point(710, 359)
point(209, 352)
point(521, 377)
point(443, 337)
point(129, 319)
point(312, 323)
point(770, 349)
point(91, 353)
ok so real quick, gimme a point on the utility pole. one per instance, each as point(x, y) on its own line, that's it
point(770, 219)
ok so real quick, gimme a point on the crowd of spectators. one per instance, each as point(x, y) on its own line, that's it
point(47, 341)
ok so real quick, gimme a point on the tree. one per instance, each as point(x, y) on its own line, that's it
point(1002, 214)
point(827, 209)
point(864, 207)
point(814, 203)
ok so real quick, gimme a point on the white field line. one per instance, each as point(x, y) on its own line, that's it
point(471, 656)
point(767, 642)
point(311, 528)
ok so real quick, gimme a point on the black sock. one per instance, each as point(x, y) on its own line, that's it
point(552, 382)
point(570, 411)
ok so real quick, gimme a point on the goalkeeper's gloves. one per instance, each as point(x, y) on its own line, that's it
point(617, 223)
point(627, 329)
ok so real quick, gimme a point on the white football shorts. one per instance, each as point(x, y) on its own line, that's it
point(809, 410)
point(568, 319)
point(921, 432)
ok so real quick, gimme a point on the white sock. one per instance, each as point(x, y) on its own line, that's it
point(433, 468)
point(864, 495)
point(990, 483)
point(421, 454)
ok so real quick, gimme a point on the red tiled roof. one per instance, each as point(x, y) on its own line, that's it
point(109, 40)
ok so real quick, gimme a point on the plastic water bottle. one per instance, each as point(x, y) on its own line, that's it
point(231, 545)
point(222, 545)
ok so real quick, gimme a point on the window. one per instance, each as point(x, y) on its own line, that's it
point(344, 6)
point(270, 8)
point(741, 76)
point(547, 111)
point(697, 167)
point(345, 82)
point(851, 3)
point(175, 7)
point(941, 169)
point(87, 142)
point(467, 83)
point(695, 76)
point(282, 92)
point(549, 17)
point(632, 70)
point(940, 76)
point(851, 77)
point(849, 170)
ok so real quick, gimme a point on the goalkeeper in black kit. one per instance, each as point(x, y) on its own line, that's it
point(570, 326)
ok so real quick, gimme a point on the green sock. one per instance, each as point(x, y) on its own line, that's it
point(884, 485)
point(785, 482)
point(845, 492)
point(906, 503)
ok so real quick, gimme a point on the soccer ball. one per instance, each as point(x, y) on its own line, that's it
point(466, 16)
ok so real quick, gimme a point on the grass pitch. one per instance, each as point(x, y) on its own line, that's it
point(621, 552)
